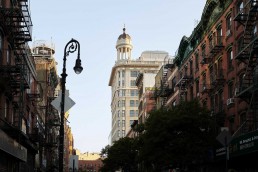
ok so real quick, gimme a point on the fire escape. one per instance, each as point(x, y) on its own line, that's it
point(17, 26)
point(184, 82)
point(248, 55)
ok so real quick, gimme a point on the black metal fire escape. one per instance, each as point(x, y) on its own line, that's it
point(248, 85)
point(183, 84)
point(163, 91)
point(16, 24)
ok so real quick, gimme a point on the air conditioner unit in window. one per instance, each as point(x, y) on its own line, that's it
point(230, 101)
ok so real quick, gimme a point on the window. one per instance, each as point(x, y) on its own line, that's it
point(255, 30)
point(1, 47)
point(230, 58)
point(173, 84)
point(134, 73)
point(118, 103)
point(132, 83)
point(242, 118)
point(123, 93)
point(191, 93)
point(131, 113)
point(118, 133)
point(211, 44)
point(174, 103)
point(228, 24)
point(123, 133)
point(191, 67)
point(131, 122)
point(219, 35)
point(118, 123)
point(204, 50)
point(204, 80)
point(123, 123)
point(123, 113)
point(6, 108)
point(134, 92)
point(123, 103)
point(197, 88)
point(123, 73)
point(239, 44)
point(123, 83)
point(230, 90)
point(8, 56)
point(118, 73)
point(196, 61)
point(240, 7)
point(132, 103)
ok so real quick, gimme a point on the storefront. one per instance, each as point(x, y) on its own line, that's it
point(11, 153)
point(242, 153)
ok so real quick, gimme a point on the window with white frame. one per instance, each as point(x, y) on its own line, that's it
point(131, 113)
point(134, 73)
point(132, 83)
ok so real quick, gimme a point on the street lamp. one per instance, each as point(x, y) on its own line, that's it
point(70, 47)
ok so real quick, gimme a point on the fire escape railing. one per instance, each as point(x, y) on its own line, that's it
point(247, 90)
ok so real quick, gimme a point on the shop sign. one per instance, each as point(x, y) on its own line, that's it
point(12, 147)
point(247, 143)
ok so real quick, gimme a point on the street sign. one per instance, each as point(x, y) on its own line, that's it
point(224, 138)
point(67, 104)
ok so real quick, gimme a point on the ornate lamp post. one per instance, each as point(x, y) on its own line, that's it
point(70, 47)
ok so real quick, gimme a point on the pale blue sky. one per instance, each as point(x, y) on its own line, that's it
point(96, 24)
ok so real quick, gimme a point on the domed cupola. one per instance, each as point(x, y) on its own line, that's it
point(124, 46)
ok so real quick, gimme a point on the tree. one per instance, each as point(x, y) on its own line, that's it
point(179, 137)
point(121, 155)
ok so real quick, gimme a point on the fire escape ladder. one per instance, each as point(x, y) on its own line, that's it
point(183, 84)
point(164, 85)
point(249, 83)
point(248, 54)
point(249, 18)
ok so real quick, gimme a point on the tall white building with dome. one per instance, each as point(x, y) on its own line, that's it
point(124, 97)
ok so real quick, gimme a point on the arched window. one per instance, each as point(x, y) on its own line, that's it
point(8, 56)
point(228, 24)
point(230, 58)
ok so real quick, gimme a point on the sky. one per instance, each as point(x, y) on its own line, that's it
point(96, 25)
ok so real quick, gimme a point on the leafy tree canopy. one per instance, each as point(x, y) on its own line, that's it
point(179, 136)
point(121, 155)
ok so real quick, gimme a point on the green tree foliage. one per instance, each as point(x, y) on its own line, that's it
point(177, 137)
point(121, 155)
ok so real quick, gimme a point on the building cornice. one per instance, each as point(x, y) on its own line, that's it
point(132, 65)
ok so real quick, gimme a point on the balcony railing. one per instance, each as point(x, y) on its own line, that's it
point(217, 77)
point(216, 45)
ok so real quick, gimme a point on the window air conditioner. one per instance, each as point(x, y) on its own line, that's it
point(230, 101)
